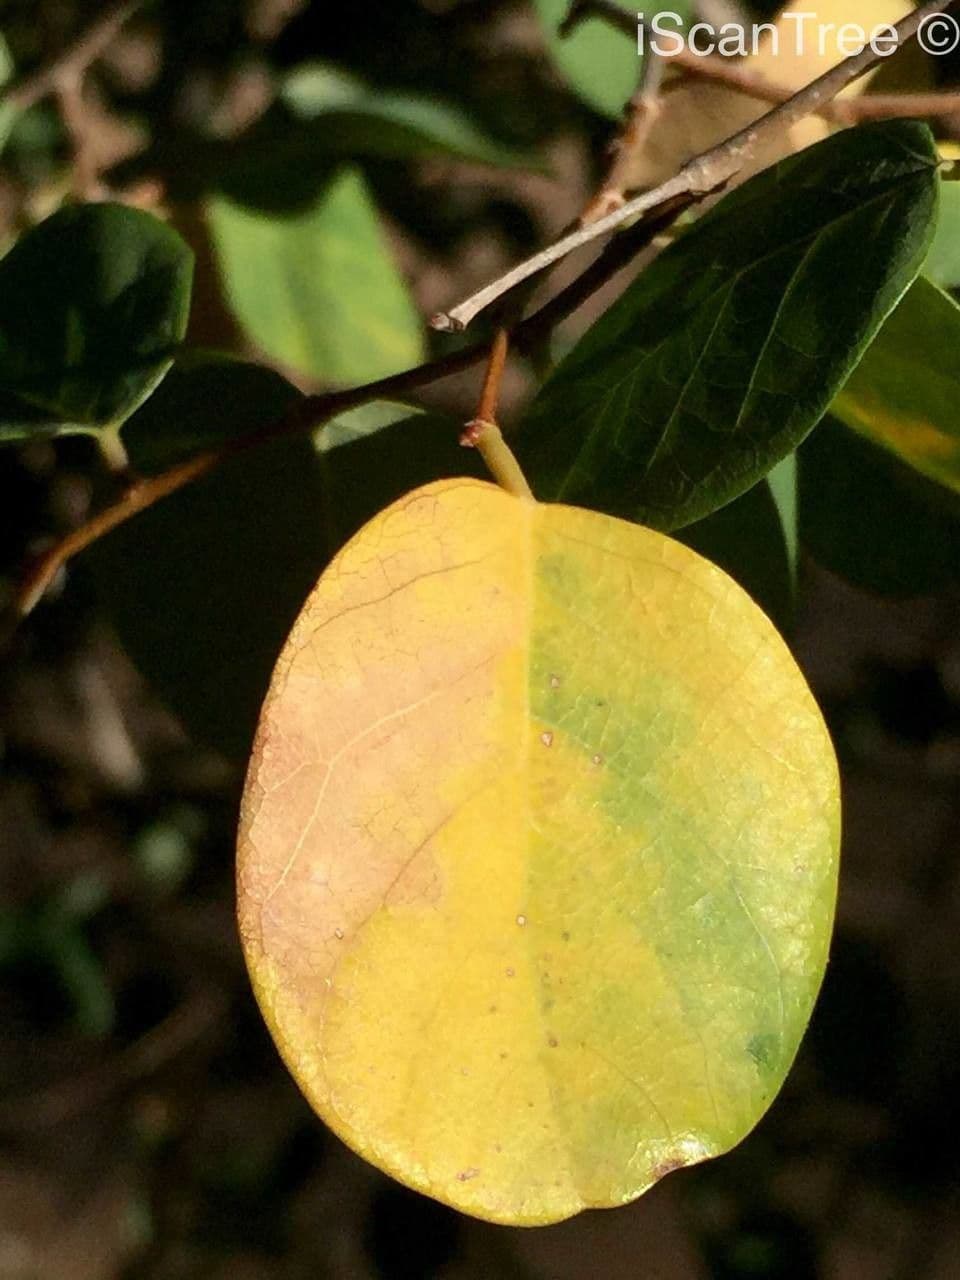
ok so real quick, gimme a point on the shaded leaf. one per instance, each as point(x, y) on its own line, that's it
point(317, 290)
point(720, 358)
point(539, 804)
point(93, 303)
point(904, 393)
point(203, 587)
point(359, 120)
point(872, 520)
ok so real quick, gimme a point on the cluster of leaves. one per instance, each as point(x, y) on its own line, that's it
point(683, 407)
point(779, 378)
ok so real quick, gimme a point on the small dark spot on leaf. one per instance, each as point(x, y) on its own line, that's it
point(552, 1041)
point(466, 1174)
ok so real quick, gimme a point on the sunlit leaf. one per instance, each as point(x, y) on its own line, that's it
point(538, 853)
point(317, 290)
point(723, 354)
point(93, 303)
point(601, 64)
point(943, 261)
point(904, 394)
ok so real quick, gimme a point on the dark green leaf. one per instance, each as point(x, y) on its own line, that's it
point(317, 290)
point(203, 587)
point(727, 351)
point(93, 303)
point(872, 520)
point(904, 394)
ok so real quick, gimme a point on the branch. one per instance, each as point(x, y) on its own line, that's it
point(700, 177)
point(70, 65)
point(315, 411)
point(642, 113)
point(737, 75)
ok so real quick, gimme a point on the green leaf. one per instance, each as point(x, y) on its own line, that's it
point(93, 303)
point(202, 588)
point(359, 120)
point(601, 64)
point(943, 261)
point(720, 358)
point(872, 520)
point(318, 290)
point(904, 394)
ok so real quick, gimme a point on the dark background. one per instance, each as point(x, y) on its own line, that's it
point(147, 1126)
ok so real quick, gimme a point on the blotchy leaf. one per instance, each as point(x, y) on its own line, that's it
point(727, 351)
point(93, 303)
point(538, 853)
point(904, 393)
point(318, 290)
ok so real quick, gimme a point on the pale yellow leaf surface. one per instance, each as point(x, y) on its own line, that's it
point(697, 115)
point(538, 853)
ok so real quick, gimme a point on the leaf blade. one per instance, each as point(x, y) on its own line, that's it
point(507, 752)
point(725, 352)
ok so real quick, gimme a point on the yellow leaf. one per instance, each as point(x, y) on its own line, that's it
point(538, 853)
point(696, 115)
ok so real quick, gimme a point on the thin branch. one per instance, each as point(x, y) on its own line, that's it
point(642, 113)
point(496, 363)
point(313, 411)
point(69, 66)
point(738, 75)
point(700, 177)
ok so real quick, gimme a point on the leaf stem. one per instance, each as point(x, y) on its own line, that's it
point(488, 439)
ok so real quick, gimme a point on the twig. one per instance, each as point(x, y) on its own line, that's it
point(700, 177)
point(496, 362)
point(312, 412)
point(69, 66)
point(642, 113)
point(738, 75)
